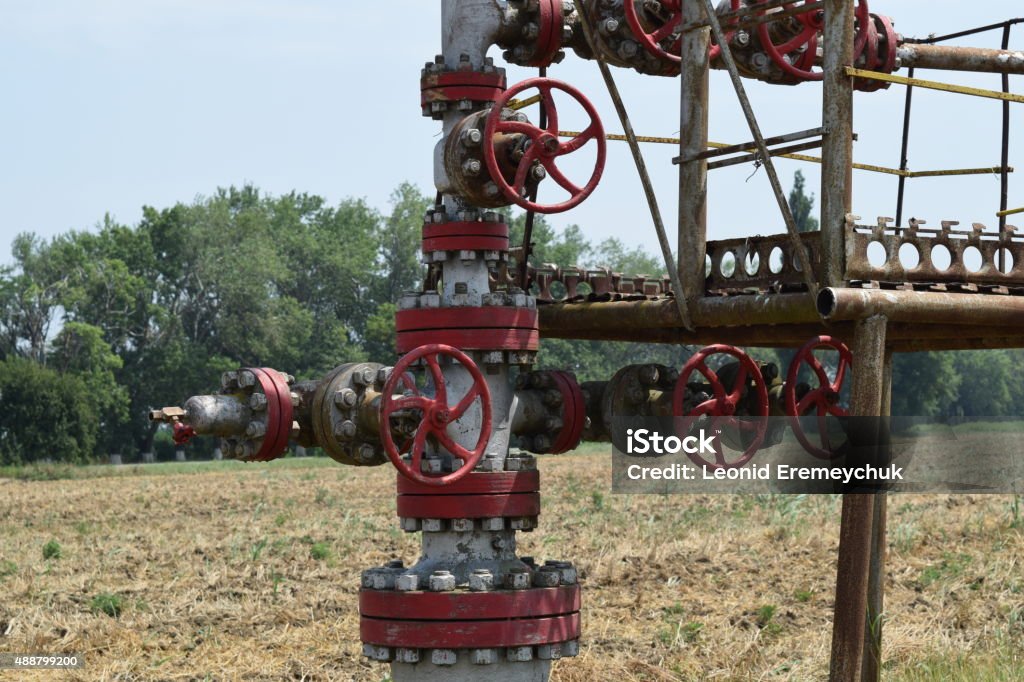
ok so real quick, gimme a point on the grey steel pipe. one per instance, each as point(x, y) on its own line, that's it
point(949, 58)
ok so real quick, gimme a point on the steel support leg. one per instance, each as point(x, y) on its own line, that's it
point(856, 532)
point(693, 137)
point(837, 152)
point(872, 666)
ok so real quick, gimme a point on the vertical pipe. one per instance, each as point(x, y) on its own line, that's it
point(1004, 184)
point(693, 139)
point(857, 526)
point(904, 161)
point(837, 152)
point(872, 666)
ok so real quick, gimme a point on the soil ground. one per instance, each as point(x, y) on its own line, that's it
point(231, 571)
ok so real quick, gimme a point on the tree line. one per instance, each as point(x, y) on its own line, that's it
point(99, 326)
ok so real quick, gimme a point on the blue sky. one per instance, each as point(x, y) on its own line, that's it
point(110, 105)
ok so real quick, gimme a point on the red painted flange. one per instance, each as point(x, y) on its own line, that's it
point(549, 39)
point(427, 606)
point(477, 483)
point(436, 414)
point(280, 413)
point(574, 415)
point(722, 406)
point(489, 328)
point(516, 505)
point(652, 41)
point(544, 146)
point(472, 634)
point(822, 400)
point(465, 236)
point(453, 86)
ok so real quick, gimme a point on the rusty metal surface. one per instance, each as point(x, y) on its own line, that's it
point(924, 307)
point(951, 58)
point(930, 245)
point(837, 153)
point(765, 263)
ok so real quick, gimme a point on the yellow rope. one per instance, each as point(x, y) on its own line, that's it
point(1012, 211)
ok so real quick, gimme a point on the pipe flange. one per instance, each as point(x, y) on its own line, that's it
point(463, 89)
point(271, 402)
point(538, 30)
point(345, 415)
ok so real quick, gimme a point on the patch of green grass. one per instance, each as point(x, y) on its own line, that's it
point(110, 604)
point(280, 519)
point(51, 550)
point(257, 549)
point(765, 614)
point(320, 551)
point(597, 497)
point(803, 596)
point(951, 566)
point(8, 568)
point(691, 631)
point(1004, 665)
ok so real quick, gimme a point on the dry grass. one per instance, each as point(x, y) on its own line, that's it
point(215, 576)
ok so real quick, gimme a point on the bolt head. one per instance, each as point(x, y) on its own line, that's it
point(442, 657)
point(246, 379)
point(258, 402)
point(345, 398)
point(407, 582)
point(518, 579)
point(442, 581)
point(256, 430)
point(345, 430)
point(520, 654)
point(481, 580)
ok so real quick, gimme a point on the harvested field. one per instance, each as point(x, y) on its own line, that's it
point(228, 571)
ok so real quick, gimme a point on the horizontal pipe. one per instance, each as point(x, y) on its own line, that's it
point(922, 307)
point(724, 311)
point(950, 58)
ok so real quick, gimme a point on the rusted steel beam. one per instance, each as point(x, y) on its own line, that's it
point(923, 307)
point(693, 136)
point(732, 311)
point(837, 152)
point(872, 666)
point(949, 58)
point(857, 525)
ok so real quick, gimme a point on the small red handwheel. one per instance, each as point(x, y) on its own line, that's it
point(436, 414)
point(722, 406)
point(822, 400)
point(812, 22)
point(652, 41)
point(544, 146)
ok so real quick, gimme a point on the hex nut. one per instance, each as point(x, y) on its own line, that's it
point(462, 525)
point(258, 402)
point(432, 525)
point(518, 579)
point(571, 648)
point(481, 580)
point(409, 525)
point(346, 397)
point(442, 581)
point(407, 582)
point(246, 379)
point(383, 580)
point(520, 654)
point(407, 655)
point(484, 656)
point(494, 524)
point(442, 657)
point(547, 576)
point(549, 652)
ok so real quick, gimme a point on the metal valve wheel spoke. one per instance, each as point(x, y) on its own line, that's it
point(801, 66)
point(820, 401)
point(651, 40)
point(543, 147)
point(435, 414)
point(723, 406)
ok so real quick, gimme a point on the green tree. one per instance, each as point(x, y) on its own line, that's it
point(802, 206)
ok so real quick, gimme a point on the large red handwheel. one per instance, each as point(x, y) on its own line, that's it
point(721, 407)
point(651, 41)
point(544, 146)
point(822, 400)
point(436, 414)
point(811, 23)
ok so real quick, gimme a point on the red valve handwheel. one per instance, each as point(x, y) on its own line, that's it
point(823, 400)
point(652, 41)
point(437, 414)
point(722, 406)
point(544, 146)
point(812, 22)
